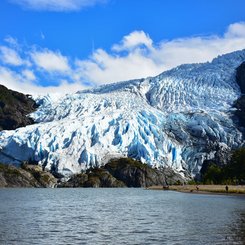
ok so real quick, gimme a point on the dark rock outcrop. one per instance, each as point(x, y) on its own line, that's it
point(239, 104)
point(240, 112)
point(134, 173)
point(97, 177)
point(25, 176)
point(14, 108)
point(124, 172)
point(240, 77)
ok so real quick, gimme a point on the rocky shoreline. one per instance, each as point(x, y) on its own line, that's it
point(25, 176)
point(124, 172)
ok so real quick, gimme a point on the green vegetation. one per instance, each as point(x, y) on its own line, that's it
point(9, 170)
point(96, 177)
point(235, 170)
point(124, 162)
point(123, 172)
point(213, 175)
point(25, 176)
point(192, 182)
point(232, 173)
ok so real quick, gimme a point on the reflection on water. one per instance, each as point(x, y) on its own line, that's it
point(119, 216)
point(238, 228)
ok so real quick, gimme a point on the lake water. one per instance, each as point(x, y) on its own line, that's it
point(119, 216)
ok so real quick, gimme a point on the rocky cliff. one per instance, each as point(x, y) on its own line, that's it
point(124, 172)
point(240, 102)
point(14, 109)
point(25, 176)
point(240, 77)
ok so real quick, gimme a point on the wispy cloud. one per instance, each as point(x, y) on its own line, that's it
point(43, 70)
point(56, 5)
point(28, 75)
point(103, 67)
point(40, 70)
point(50, 61)
point(23, 82)
point(10, 56)
point(11, 41)
point(134, 40)
point(42, 35)
point(141, 57)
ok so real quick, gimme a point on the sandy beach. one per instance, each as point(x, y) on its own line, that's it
point(204, 189)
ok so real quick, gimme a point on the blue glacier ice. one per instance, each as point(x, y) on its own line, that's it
point(166, 120)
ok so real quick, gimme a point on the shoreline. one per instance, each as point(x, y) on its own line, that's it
point(238, 190)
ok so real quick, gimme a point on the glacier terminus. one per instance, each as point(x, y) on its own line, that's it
point(177, 119)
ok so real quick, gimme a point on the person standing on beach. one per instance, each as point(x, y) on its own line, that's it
point(226, 188)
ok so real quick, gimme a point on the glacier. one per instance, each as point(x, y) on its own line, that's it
point(177, 119)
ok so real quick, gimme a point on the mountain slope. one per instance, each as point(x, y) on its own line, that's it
point(14, 108)
point(177, 119)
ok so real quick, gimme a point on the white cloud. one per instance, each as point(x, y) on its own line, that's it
point(10, 56)
point(11, 41)
point(106, 68)
point(134, 40)
point(50, 61)
point(236, 30)
point(29, 75)
point(42, 65)
point(18, 82)
point(8, 78)
point(200, 49)
point(56, 5)
point(137, 56)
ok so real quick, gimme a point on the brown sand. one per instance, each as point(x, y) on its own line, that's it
point(204, 189)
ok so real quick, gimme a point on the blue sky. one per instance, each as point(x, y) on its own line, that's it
point(50, 46)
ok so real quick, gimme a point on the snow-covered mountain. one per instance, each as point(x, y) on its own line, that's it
point(178, 118)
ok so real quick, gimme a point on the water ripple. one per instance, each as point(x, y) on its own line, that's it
point(118, 216)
